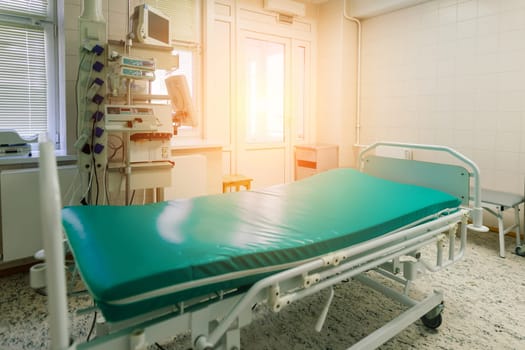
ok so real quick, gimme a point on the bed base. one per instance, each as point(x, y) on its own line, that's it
point(198, 322)
point(215, 323)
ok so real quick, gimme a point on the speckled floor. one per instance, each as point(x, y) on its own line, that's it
point(484, 309)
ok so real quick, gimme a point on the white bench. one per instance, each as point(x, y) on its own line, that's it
point(495, 202)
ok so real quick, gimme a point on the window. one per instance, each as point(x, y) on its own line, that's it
point(264, 91)
point(30, 85)
point(186, 67)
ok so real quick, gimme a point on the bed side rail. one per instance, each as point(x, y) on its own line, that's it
point(424, 173)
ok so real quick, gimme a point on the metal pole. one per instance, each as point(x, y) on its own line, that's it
point(51, 206)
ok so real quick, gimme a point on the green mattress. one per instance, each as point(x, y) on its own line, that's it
point(175, 250)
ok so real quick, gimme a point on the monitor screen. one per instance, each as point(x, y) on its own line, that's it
point(158, 28)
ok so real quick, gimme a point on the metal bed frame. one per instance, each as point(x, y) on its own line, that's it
point(215, 321)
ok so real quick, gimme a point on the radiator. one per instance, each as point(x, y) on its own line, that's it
point(20, 210)
point(394, 152)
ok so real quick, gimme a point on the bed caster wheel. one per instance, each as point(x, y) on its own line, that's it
point(433, 322)
point(520, 251)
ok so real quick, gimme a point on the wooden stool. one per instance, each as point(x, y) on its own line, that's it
point(236, 180)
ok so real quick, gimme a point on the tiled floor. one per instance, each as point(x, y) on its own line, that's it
point(484, 309)
point(23, 314)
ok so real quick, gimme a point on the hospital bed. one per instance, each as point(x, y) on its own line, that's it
point(201, 264)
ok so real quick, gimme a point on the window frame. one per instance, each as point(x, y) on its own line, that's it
point(53, 27)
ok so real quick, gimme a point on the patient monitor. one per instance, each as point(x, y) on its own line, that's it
point(151, 26)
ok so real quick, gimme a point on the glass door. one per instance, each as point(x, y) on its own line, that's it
point(263, 123)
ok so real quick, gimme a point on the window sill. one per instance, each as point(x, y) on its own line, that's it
point(14, 160)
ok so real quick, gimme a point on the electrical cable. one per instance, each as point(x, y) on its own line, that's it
point(94, 165)
point(120, 183)
point(132, 197)
point(77, 88)
point(81, 90)
point(70, 188)
point(81, 100)
point(106, 184)
point(114, 147)
point(88, 187)
point(92, 326)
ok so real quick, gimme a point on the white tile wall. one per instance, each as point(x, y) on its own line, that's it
point(450, 72)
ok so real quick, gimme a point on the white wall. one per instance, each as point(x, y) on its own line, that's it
point(336, 80)
point(450, 72)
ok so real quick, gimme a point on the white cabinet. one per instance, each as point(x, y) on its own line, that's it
point(313, 159)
